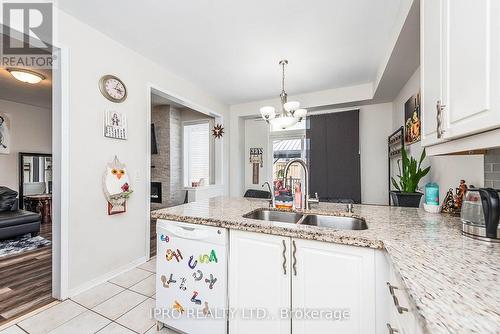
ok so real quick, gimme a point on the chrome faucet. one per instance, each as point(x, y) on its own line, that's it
point(308, 200)
point(271, 200)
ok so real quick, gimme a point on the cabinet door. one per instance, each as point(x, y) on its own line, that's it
point(259, 280)
point(383, 299)
point(431, 69)
point(469, 34)
point(334, 279)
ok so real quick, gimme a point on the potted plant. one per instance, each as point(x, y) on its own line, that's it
point(409, 176)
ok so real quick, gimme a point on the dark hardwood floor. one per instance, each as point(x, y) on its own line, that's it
point(26, 280)
point(152, 244)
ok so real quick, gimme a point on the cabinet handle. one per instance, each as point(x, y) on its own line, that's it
point(440, 108)
point(294, 266)
point(284, 257)
point(391, 288)
point(400, 308)
point(391, 330)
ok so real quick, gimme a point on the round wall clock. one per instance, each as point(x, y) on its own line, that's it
point(113, 88)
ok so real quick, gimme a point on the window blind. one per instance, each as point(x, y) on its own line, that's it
point(196, 153)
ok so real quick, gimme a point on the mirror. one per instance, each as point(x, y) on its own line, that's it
point(35, 175)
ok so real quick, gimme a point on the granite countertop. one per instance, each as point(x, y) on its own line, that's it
point(453, 280)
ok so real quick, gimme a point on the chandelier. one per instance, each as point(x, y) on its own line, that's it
point(290, 114)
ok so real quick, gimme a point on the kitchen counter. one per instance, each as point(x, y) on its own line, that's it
point(453, 281)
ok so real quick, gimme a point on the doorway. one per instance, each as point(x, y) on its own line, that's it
point(185, 159)
point(26, 191)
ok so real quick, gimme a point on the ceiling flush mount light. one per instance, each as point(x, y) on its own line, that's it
point(26, 75)
point(290, 114)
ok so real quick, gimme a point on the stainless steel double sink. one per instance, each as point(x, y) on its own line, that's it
point(333, 222)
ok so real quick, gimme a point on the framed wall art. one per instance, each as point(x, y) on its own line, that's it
point(257, 162)
point(4, 133)
point(412, 120)
point(115, 125)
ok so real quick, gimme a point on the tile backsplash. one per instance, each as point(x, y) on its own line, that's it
point(492, 169)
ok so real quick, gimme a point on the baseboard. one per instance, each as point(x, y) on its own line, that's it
point(106, 277)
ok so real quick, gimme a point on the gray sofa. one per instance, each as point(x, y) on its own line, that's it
point(15, 222)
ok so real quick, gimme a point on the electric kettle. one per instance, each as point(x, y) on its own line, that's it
point(481, 213)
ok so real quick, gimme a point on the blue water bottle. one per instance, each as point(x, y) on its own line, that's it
point(432, 194)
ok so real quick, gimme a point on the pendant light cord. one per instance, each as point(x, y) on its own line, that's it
point(283, 78)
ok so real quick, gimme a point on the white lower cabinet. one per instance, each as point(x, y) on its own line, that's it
point(259, 280)
point(336, 279)
point(327, 288)
point(394, 304)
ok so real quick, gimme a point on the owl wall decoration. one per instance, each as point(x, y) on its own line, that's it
point(116, 186)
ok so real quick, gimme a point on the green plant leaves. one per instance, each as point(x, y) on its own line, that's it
point(410, 172)
point(395, 184)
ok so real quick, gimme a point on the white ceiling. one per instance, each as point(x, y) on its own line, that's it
point(39, 95)
point(404, 59)
point(231, 48)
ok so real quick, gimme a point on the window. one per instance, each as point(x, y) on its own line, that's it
point(285, 149)
point(198, 152)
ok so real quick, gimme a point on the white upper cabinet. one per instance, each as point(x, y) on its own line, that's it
point(469, 39)
point(432, 69)
point(460, 68)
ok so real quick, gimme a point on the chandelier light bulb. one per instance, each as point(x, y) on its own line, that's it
point(300, 113)
point(291, 106)
point(268, 112)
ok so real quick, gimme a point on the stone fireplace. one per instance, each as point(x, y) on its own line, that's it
point(166, 171)
point(156, 192)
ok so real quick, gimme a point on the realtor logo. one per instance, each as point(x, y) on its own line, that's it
point(27, 34)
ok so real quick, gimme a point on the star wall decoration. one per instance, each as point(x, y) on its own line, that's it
point(218, 131)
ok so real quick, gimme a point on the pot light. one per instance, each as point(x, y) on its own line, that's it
point(26, 75)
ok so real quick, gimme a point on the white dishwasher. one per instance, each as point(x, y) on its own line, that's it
point(191, 277)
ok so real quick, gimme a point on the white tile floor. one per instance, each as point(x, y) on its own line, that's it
point(121, 306)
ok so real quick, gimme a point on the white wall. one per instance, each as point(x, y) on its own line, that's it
point(31, 131)
point(409, 89)
point(100, 245)
point(374, 128)
point(447, 171)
